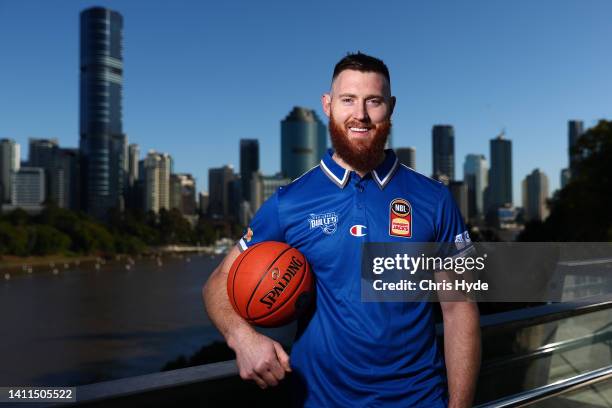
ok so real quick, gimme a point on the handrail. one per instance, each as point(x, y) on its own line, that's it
point(548, 349)
point(181, 377)
point(156, 381)
point(550, 390)
point(516, 319)
point(519, 318)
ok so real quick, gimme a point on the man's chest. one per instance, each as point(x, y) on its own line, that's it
point(330, 229)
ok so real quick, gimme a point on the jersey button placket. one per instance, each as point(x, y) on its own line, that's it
point(360, 192)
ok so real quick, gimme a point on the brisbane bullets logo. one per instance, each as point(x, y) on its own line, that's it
point(281, 282)
point(326, 221)
point(400, 218)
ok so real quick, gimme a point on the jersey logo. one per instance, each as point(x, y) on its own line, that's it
point(358, 230)
point(459, 243)
point(249, 235)
point(328, 222)
point(462, 240)
point(400, 218)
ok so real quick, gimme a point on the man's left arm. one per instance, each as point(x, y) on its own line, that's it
point(461, 350)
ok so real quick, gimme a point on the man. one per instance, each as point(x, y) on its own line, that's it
point(349, 352)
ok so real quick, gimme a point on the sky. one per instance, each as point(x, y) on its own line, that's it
point(201, 75)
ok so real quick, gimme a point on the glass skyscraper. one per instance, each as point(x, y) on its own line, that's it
point(475, 174)
point(500, 173)
point(407, 156)
point(249, 163)
point(102, 142)
point(443, 140)
point(303, 142)
point(575, 129)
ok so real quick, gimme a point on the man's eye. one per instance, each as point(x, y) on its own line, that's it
point(347, 100)
point(375, 102)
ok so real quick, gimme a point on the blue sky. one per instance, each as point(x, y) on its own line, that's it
point(199, 75)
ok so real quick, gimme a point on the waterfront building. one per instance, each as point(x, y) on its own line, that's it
point(10, 161)
point(535, 195)
point(303, 142)
point(500, 174)
point(102, 143)
point(249, 163)
point(407, 156)
point(475, 175)
point(443, 150)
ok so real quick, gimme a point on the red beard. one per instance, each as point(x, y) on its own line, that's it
point(361, 155)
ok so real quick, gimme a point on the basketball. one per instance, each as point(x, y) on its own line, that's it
point(270, 284)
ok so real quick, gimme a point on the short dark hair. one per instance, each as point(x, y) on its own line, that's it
point(363, 63)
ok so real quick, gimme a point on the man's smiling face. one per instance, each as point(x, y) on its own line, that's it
point(359, 108)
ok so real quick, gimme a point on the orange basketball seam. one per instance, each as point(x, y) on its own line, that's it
point(261, 279)
point(236, 272)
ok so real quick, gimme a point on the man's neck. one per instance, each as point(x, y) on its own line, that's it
point(347, 166)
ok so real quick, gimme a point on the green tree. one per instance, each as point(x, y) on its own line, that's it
point(47, 240)
point(13, 239)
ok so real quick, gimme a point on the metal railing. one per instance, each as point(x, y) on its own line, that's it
point(551, 390)
point(158, 387)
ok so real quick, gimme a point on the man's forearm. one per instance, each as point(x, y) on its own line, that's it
point(218, 307)
point(462, 351)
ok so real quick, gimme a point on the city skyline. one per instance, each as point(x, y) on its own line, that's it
point(533, 102)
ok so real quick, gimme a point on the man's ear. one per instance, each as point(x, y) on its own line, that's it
point(392, 106)
point(326, 103)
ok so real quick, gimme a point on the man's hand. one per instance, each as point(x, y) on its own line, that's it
point(259, 358)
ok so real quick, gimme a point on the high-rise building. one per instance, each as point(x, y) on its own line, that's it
point(249, 163)
point(262, 188)
point(303, 142)
point(476, 177)
point(235, 196)
point(10, 161)
point(565, 177)
point(219, 187)
point(407, 156)
point(389, 143)
point(68, 162)
point(500, 174)
point(46, 154)
point(133, 159)
point(103, 144)
point(203, 203)
point(443, 148)
point(459, 190)
point(28, 187)
point(535, 194)
point(42, 152)
point(183, 193)
point(575, 129)
point(156, 170)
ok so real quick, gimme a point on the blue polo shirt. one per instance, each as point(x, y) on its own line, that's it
point(349, 352)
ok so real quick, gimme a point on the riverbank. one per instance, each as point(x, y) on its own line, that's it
point(28, 264)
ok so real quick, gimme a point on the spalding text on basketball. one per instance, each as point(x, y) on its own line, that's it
point(270, 298)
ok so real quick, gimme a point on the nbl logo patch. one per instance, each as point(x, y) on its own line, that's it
point(400, 218)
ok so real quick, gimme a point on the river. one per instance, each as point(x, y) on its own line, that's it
point(83, 325)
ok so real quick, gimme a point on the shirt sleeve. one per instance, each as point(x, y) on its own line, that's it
point(451, 229)
point(265, 225)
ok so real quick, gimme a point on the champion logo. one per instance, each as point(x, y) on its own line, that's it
point(358, 230)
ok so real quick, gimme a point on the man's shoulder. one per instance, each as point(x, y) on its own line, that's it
point(303, 184)
point(419, 180)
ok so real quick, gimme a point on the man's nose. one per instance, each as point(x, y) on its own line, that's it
point(360, 113)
